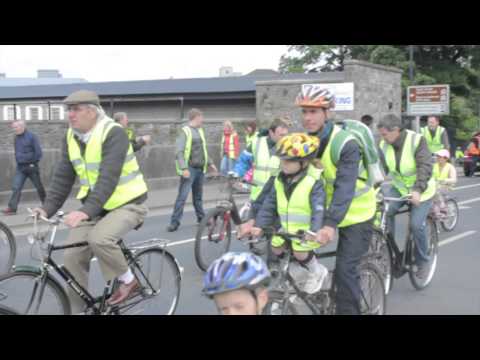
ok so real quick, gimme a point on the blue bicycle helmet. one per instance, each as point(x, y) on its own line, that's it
point(233, 271)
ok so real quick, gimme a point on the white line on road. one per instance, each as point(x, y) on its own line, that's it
point(469, 201)
point(456, 237)
point(464, 207)
point(189, 240)
point(465, 187)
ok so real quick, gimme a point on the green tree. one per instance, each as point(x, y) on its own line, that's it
point(456, 65)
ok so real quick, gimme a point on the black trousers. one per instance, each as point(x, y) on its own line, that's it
point(352, 245)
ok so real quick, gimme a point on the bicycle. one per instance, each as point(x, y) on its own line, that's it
point(214, 234)
point(39, 292)
point(8, 248)
point(448, 217)
point(393, 262)
point(4, 310)
point(285, 296)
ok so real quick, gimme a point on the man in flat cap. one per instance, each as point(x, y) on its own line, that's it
point(112, 190)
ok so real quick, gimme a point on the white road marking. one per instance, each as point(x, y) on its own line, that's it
point(464, 207)
point(465, 187)
point(189, 240)
point(456, 237)
point(469, 201)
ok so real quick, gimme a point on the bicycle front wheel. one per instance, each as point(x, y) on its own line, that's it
point(8, 249)
point(373, 300)
point(7, 311)
point(449, 222)
point(31, 293)
point(159, 276)
point(422, 282)
point(380, 254)
point(213, 237)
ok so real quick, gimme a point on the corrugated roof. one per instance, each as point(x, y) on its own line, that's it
point(147, 87)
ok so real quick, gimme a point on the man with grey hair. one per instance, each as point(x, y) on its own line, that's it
point(435, 135)
point(406, 157)
point(27, 156)
point(137, 142)
point(112, 192)
point(192, 162)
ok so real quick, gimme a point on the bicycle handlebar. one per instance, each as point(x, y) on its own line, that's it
point(58, 217)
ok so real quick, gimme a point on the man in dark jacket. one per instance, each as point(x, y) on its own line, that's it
point(137, 142)
point(27, 155)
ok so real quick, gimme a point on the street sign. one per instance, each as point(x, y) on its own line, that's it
point(344, 94)
point(428, 100)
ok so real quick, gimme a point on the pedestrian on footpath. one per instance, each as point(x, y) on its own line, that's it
point(27, 156)
point(192, 162)
point(230, 148)
point(137, 142)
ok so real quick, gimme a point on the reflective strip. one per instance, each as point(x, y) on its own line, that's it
point(92, 166)
point(414, 141)
point(265, 168)
point(258, 183)
point(362, 191)
point(83, 182)
point(76, 162)
point(296, 218)
point(129, 177)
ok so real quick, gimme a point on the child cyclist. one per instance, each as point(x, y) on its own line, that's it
point(297, 200)
point(238, 282)
point(445, 175)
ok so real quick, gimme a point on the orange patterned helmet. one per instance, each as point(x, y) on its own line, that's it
point(297, 146)
point(315, 96)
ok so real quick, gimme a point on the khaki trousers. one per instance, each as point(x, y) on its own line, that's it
point(102, 235)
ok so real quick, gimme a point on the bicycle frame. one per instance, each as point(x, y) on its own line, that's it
point(89, 300)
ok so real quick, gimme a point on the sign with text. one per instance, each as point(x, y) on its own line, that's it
point(344, 95)
point(428, 100)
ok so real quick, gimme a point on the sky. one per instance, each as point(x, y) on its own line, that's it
point(137, 62)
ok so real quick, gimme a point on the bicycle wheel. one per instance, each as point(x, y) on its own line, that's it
point(432, 251)
point(160, 279)
point(213, 238)
point(8, 249)
point(380, 253)
point(373, 300)
point(4, 310)
point(450, 221)
point(31, 293)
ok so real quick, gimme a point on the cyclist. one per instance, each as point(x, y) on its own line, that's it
point(96, 150)
point(445, 175)
point(238, 283)
point(265, 166)
point(350, 200)
point(406, 156)
point(297, 199)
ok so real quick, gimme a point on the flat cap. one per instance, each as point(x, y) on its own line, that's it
point(82, 97)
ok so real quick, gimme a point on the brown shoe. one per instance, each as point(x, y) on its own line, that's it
point(123, 292)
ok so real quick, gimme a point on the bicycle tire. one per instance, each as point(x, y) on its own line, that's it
point(163, 300)
point(7, 241)
point(26, 304)
point(4, 310)
point(453, 212)
point(381, 255)
point(375, 304)
point(432, 237)
point(208, 226)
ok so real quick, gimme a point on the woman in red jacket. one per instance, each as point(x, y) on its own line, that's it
point(230, 148)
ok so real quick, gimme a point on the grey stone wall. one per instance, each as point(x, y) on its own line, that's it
point(157, 160)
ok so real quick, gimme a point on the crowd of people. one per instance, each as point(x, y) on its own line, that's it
point(316, 180)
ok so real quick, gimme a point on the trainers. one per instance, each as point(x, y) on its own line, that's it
point(422, 271)
point(173, 227)
point(9, 211)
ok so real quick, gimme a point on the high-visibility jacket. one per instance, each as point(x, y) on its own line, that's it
point(405, 178)
point(264, 166)
point(362, 207)
point(188, 148)
point(434, 144)
point(87, 167)
point(231, 145)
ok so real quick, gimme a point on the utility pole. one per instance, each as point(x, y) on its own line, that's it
point(416, 125)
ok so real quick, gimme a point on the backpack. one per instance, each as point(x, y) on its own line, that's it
point(364, 137)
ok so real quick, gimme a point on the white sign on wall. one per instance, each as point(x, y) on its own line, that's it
point(344, 94)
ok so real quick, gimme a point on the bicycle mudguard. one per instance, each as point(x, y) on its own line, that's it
point(27, 268)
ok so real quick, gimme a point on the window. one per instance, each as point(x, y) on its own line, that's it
point(9, 114)
point(34, 113)
point(57, 112)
